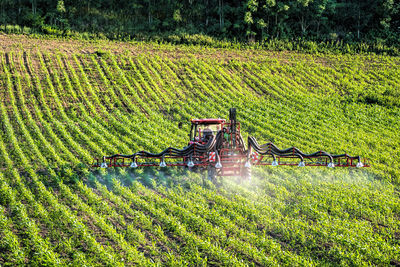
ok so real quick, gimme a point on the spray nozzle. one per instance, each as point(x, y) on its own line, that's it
point(190, 163)
point(103, 165)
point(218, 165)
point(162, 163)
point(133, 164)
point(247, 164)
point(302, 164)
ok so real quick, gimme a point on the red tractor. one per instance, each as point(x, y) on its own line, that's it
point(218, 146)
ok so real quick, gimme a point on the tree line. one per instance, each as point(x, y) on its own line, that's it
point(254, 20)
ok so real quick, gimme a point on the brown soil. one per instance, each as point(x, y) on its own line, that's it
point(12, 42)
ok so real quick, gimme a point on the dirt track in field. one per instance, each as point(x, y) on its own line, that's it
point(13, 42)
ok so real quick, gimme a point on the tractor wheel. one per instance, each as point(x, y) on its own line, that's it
point(246, 174)
point(211, 173)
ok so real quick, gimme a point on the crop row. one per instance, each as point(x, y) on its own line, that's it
point(61, 110)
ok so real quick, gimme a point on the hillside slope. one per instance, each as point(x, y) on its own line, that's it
point(65, 102)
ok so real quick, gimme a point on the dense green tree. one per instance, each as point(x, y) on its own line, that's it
point(351, 20)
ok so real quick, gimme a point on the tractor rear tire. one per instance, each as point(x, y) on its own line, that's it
point(246, 174)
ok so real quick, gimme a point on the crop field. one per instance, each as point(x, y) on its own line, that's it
point(63, 103)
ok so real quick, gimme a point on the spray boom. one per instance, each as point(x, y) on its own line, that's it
point(218, 146)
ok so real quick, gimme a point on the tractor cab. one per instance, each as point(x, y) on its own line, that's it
point(203, 129)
